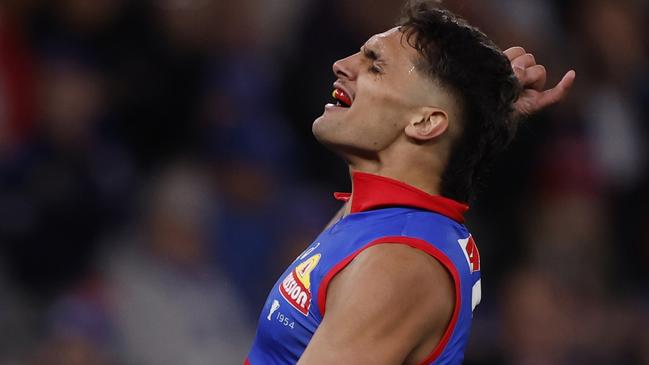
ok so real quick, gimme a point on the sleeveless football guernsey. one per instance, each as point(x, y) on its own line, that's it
point(383, 211)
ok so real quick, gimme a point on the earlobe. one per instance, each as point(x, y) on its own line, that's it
point(426, 126)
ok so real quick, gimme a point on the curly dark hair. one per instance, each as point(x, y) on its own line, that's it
point(476, 72)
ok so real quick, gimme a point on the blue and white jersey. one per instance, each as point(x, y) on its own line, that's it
point(383, 211)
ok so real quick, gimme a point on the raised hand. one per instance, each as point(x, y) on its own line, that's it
point(532, 77)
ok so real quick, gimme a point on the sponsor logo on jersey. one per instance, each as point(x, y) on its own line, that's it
point(296, 286)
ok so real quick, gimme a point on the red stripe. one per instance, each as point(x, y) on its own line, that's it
point(247, 362)
point(420, 245)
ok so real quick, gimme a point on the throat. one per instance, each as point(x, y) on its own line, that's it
point(423, 177)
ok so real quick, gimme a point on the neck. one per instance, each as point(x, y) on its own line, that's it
point(423, 176)
point(417, 165)
point(428, 183)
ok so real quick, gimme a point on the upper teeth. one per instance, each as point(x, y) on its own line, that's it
point(341, 98)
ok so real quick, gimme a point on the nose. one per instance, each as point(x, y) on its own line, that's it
point(346, 68)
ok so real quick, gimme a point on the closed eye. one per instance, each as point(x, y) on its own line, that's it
point(374, 58)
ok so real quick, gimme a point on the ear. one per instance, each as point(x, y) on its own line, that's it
point(430, 123)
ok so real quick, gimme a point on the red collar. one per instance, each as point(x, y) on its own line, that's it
point(374, 191)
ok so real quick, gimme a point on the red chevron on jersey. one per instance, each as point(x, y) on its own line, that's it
point(471, 252)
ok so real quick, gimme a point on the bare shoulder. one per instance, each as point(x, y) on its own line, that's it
point(396, 273)
point(390, 305)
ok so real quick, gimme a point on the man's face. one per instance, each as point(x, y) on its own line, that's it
point(377, 92)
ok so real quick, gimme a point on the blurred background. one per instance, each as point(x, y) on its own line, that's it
point(157, 174)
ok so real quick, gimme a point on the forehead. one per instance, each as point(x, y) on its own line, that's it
point(393, 45)
point(401, 71)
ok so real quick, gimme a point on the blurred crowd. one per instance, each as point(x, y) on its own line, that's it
point(157, 173)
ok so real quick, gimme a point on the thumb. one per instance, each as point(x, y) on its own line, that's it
point(558, 92)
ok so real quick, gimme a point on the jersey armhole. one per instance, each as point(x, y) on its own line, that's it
point(417, 244)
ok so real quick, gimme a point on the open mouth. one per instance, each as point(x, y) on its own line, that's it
point(342, 99)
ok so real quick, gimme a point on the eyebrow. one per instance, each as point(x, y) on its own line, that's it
point(370, 53)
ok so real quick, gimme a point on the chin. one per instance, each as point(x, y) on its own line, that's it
point(321, 127)
point(325, 133)
point(331, 120)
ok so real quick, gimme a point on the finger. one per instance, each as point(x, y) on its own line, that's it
point(520, 74)
point(514, 52)
point(558, 92)
point(524, 61)
point(535, 77)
